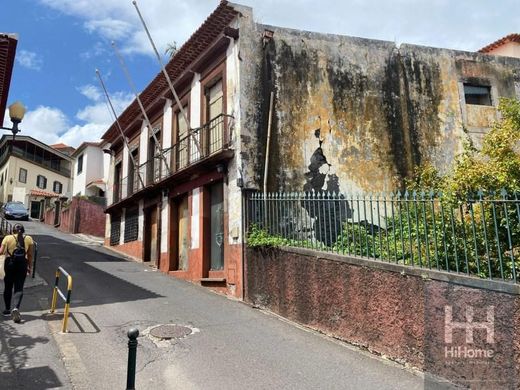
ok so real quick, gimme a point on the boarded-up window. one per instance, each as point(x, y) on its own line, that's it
point(131, 224)
point(115, 229)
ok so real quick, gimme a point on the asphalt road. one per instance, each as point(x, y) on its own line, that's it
point(232, 345)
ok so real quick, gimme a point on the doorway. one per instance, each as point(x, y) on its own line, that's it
point(182, 239)
point(216, 195)
point(35, 209)
point(152, 240)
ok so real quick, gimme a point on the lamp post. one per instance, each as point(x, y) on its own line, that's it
point(16, 113)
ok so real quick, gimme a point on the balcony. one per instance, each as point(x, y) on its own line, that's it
point(188, 153)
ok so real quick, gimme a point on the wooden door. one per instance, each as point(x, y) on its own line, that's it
point(216, 227)
point(154, 239)
point(183, 216)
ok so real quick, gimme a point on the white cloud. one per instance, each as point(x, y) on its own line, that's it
point(78, 134)
point(91, 92)
point(465, 24)
point(109, 28)
point(50, 125)
point(44, 124)
point(117, 20)
point(98, 49)
point(99, 113)
point(29, 59)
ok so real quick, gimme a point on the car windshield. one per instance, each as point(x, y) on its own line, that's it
point(15, 207)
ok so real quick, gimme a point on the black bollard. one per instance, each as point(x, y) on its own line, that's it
point(132, 354)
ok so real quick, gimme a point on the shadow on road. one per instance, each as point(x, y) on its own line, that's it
point(93, 283)
point(14, 359)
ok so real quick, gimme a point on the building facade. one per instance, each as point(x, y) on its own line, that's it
point(32, 173)
point(341, 113)
point(90, 170)
point(508, 46)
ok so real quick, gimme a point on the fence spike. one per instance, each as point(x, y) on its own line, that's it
point(503, 192)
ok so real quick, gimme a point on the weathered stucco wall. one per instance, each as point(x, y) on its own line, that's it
point(354, 114)
point(395, 311)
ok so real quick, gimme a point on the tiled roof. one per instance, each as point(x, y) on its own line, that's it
point(8, 44)
point(59, 146)
point(201, 39)
point(44, 193)
point(500, 42)
point(97, 181)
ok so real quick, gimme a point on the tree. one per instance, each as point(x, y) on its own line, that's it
point(171, 49)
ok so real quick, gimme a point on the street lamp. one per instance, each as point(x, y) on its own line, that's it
point(16, 113)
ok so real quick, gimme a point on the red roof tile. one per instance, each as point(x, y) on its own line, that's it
point(500, 42)
point(59, 146)
point(44, 193)
point(97, 181)
point(8, 44)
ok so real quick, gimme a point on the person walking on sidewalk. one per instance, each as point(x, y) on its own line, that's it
point(18, 250)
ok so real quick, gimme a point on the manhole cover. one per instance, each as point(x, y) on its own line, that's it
point(166, 332)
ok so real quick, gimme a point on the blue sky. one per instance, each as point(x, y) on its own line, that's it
point(62, 42)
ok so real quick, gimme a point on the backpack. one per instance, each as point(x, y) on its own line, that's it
point(18, 254)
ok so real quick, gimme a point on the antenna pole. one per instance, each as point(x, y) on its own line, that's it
point(143, 111)
point(167, 76)
point(183, 111)
point(136, 167)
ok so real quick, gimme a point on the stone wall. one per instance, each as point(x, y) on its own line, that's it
point(358, 115)
point(395, 311)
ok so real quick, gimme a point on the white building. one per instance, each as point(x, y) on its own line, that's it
point(33, 173)
point(90, 170)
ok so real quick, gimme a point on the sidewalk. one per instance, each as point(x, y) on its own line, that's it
point(29, 357)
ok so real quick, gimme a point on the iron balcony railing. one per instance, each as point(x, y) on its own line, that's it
point(478, 237)
point(197, 145)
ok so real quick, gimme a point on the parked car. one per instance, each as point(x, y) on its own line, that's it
point(14, 210)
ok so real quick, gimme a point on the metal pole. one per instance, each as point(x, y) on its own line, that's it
point(143, 111)
point(35, 256)
point(132, 355)
point(266, 164)
point(136, 167)
point(167, 76)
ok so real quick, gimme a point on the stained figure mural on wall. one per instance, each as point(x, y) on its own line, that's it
point(327, 220)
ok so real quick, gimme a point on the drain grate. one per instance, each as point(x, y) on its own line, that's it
point(167, 332)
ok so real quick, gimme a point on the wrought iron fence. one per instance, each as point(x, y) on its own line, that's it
point(197, 145)
point(479, 236)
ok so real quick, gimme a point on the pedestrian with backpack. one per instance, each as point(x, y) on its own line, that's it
point(18, 251)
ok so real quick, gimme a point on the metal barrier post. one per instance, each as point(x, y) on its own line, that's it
point(35, 256)
point(132, 355)
point(67, 304)
point(57, 291)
